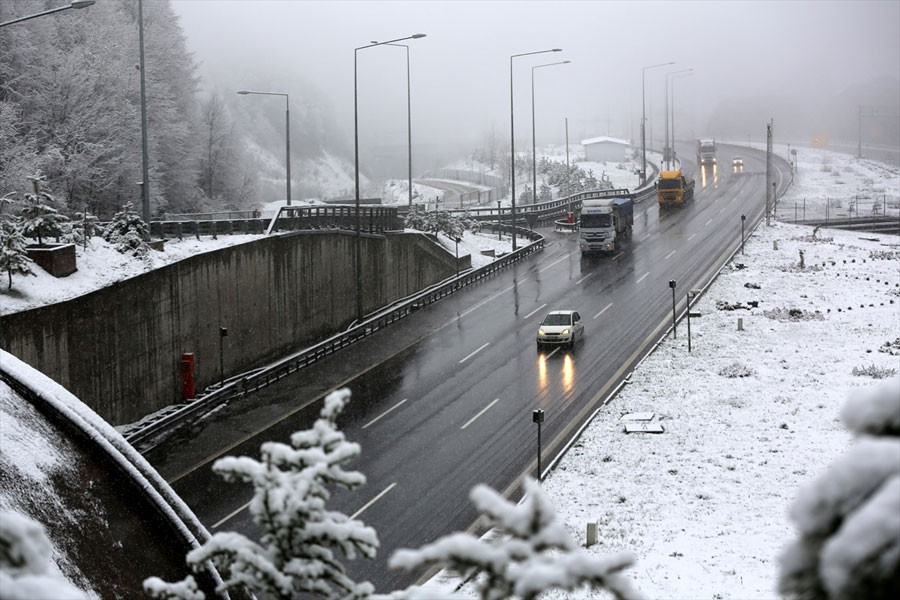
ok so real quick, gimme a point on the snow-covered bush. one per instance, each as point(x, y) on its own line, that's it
point(25, 568)
point(735, 370)
point(849, 518)
point(81, 229)
point(439, 221)
point(535, 554)
point(39, 218)
point(13, 255)
point(874, 371)
point(298, 551)
point(127, 231)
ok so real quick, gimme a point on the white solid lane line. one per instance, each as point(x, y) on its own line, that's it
point(481, 412)
point(231, 514)
point(373, 500)
point(474, 353)
point(669, 255)
point(554, 263)
point(643, 277)
point(372, 422)
point(603, 311)
point(535, 310)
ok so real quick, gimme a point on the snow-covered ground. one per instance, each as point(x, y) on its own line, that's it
point(749, 416)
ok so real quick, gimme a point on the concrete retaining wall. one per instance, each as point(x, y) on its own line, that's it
point(119, 348)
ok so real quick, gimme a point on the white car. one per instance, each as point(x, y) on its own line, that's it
point(563, 327)
point(737, 164)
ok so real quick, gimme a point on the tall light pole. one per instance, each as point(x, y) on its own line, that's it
point(675, 75)
point(74, 4)
point(512, 138)
point(533, 138)
point(415, 36)
point(287, 134)
point(667, 151)
point(145, 158)
point(644, 119)
point(408, 120)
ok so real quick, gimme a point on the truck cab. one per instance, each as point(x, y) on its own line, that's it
point(674, 188)
point(604, 222)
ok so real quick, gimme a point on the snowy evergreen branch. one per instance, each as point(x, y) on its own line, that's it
point(25, 570)
point(13, 254)
point(300, 548)
point(127, 231)
point(849, 519)
point(536, 554)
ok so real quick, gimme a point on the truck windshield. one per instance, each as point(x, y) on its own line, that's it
point(596, 221)
point(669, 184)
point(707, 148)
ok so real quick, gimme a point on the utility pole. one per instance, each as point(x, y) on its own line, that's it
point(769, 126)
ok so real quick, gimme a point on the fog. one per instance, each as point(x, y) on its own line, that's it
point(807, 65)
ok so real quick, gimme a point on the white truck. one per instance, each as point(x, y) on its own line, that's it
point(605, 221)
point(706, 152)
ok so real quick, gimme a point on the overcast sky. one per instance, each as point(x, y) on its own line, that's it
point(460, 71)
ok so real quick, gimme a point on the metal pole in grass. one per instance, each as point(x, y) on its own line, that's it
point(674, 319)
point(537, 416)
point(743, 218)
point(499, 224)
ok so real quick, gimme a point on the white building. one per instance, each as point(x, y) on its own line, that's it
point(605, 149)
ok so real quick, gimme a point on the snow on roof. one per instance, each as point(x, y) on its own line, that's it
point(604, 138)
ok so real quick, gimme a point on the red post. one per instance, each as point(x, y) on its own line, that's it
point(187, 376)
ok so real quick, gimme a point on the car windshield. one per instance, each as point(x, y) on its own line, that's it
point(557, 319)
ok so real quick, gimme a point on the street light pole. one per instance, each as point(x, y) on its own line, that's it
point(668, 151)
point(74, 4)
point(287, 129)
point(683, 73)
point(145, 160)
point(512, 141)
point(533, 138)
point(644, 119)
point(415, 36)
point(408, 120)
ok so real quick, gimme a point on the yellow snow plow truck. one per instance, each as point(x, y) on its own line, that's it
point(674, 189)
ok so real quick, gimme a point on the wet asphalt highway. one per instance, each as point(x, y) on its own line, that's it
point(443, 399)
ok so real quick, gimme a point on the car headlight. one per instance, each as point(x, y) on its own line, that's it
point(541, 332)
point(565, 332)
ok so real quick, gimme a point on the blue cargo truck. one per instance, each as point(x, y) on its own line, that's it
point(605, 222)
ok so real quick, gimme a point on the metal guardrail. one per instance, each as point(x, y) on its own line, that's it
point(373, 219)
point(260, 378)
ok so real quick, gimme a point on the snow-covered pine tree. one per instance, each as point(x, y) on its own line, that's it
point(127, 231)
point(298, 552)
point(39, 218)
point(25, 570)
point(13, 255)
point(535, 553)
point(849, 518)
